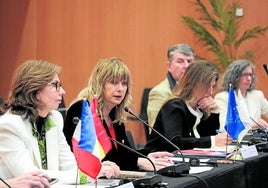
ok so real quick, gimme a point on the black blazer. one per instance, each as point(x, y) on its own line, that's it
point(176, 122)
point(124, 158)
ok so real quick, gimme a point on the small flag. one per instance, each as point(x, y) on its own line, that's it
point(233, 124)
point(86, 147)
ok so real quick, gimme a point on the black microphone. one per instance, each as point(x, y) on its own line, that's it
point(75, 120)
point(146, 181)
point(265, 68)
point(174, 170)
point(5, 183)
point(261, 128)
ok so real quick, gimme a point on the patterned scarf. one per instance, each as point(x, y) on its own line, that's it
point(39, 129)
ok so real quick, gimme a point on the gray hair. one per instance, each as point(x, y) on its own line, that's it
point(180, 48)
point(234, 72)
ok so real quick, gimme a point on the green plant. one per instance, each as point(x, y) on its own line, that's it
point(218, 29)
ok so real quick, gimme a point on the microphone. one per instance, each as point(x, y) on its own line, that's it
point(62, 109)
point(265, 68)
point(260, 142)
point(146, 181)
point(261, 128)
point(5, 183)
point(75, 120)
point(174, 170)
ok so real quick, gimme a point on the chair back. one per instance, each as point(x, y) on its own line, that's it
point(143, 112)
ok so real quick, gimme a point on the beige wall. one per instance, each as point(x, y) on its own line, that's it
point(75, 34)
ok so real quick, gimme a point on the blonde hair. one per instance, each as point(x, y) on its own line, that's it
point(105, 71)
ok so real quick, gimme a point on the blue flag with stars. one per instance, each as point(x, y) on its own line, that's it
point(233, 124)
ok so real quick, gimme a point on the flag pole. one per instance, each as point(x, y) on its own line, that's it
point(77, 172)
point(237, 143)
point(233, 156)
point(226, 149)
point(237, 146)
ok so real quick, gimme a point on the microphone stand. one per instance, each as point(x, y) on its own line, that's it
point(146, 181)
point(261, 145)
point(262, 128)
point(5, 183)
point(174, 170)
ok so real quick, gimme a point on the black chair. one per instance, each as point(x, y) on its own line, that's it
point(1, 102)
point(62, 108)
point(143, 116)
point(143, 112)
point(130, 139)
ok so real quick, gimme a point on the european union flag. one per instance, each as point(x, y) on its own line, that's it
point(233, 124)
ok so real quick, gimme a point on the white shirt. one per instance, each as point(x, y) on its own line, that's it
point(257, 105)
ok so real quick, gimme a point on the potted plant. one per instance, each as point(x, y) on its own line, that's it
point(218, 29)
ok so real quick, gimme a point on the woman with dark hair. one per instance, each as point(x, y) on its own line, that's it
point(241, 76)
point(186, 117)
point(31, 129)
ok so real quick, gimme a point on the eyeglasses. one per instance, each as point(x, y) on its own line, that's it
point(56, 84)
point(245, 75)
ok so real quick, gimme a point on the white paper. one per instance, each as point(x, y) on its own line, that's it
point(101, 183)
point(248, 151)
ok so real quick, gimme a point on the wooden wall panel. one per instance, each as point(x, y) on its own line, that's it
point(77, 33)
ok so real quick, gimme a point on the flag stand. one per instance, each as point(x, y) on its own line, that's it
point(236, 156)
point(233, 125)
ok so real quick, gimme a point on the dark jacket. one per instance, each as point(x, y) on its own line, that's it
point(124, 158)
point(176, 122)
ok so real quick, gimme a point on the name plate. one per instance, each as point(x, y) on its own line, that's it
point(248, 151)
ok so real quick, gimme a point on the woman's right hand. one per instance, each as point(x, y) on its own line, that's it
point(223, 139)
point(29, 180)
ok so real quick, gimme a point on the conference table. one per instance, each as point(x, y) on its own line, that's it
point(248, 173)
point(225, 175)
point(256, 171)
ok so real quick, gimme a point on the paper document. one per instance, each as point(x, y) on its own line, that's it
point(101, 183)
point(211, 152)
